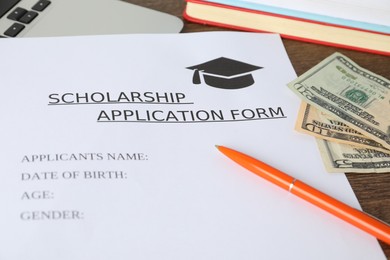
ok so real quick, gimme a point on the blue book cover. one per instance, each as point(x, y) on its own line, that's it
point(378, 23)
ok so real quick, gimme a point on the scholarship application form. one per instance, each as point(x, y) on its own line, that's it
point(108, 152)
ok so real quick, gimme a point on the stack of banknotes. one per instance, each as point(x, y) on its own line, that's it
point(347, 109)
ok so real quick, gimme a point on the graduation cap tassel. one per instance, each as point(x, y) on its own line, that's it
point(196, 77)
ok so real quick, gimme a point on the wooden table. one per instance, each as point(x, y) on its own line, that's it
point(372, 190)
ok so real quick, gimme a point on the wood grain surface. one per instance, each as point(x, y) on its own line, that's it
point(372, 190)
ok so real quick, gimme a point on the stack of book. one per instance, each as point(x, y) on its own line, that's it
point(354, 24)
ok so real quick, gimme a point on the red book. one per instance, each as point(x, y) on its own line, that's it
point(239, 18)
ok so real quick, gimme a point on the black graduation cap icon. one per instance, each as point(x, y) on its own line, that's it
point(224, 73)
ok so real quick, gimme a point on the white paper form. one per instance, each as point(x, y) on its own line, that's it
point(108, 152)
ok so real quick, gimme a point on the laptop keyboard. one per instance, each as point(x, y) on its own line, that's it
point(22, 17)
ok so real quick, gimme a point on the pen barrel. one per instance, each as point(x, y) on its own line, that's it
point(353, 216)
point(359, 219)
point(261, 169)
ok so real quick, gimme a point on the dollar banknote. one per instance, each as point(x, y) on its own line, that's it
point(338, 157)
point(353, 95)
point(320, 125)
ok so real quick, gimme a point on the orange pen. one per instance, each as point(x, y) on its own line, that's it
point(359, 219)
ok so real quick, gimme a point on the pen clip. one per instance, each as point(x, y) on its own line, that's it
point(291, 185)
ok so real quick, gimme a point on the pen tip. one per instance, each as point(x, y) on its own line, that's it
point(217, 146)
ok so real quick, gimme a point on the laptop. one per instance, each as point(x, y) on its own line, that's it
point(40, 18)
